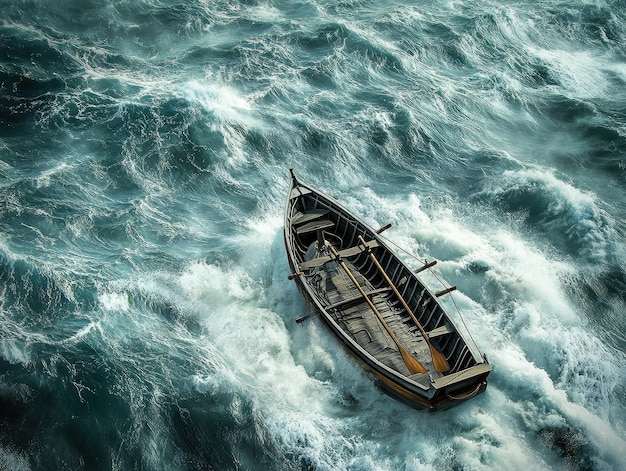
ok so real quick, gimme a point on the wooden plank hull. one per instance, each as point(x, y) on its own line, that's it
point(376, 306)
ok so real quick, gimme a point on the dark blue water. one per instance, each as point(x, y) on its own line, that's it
point(146, 319)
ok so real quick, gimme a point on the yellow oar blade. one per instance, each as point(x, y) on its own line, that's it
point(411, 363)
point(439, 361)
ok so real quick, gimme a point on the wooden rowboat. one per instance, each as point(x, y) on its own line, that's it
point(377, 307)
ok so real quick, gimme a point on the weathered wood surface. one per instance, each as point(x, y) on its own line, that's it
point(354, 315)
point(312, 220)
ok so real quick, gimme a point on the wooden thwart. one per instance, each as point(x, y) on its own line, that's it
point(301, 218)
point(314, 226)
point(319, 261)
point(439, 331)
point(476, 370)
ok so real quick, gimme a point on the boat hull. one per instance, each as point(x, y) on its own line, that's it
point(313, 217)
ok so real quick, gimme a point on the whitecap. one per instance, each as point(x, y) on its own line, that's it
point(264, 13)
point(292, 400)
point(114, 301)
point(581, 74)
point(224, 101)
point(14, 351)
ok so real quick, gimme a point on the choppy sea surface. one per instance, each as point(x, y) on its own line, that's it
point(146, 318)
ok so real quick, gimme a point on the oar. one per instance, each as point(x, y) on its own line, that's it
point(439, 360)
point(411, 363)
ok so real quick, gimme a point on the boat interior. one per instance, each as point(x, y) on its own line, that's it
point(316, 224)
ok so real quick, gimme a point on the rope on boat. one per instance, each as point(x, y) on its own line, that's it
point(427, 266)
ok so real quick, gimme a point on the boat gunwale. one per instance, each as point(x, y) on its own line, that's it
point(371, 361)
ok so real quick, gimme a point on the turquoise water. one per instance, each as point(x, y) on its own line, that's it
point(146, 318)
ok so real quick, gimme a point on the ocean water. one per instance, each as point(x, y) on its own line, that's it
point(146, 318)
